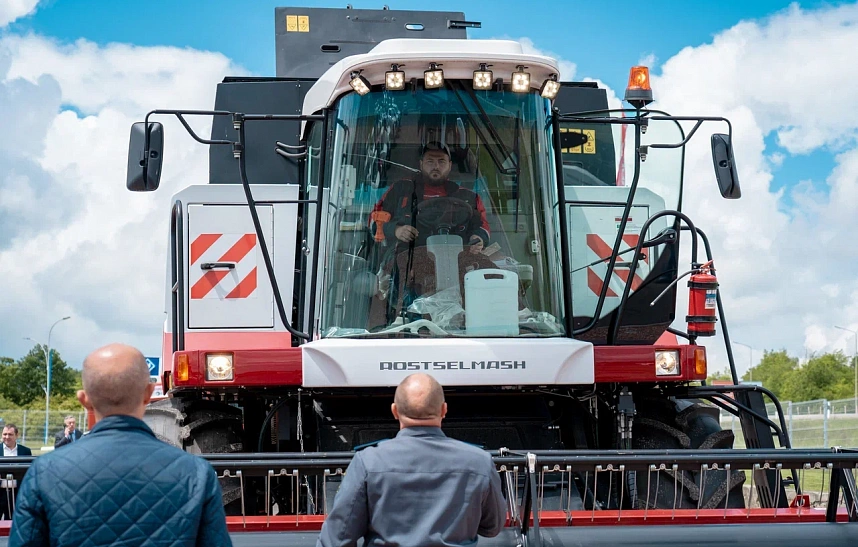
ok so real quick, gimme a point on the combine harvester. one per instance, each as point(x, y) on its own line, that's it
point(292, 313)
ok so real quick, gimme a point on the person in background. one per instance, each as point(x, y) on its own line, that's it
point(69, 434)
point(11, 447)
point(9, 487)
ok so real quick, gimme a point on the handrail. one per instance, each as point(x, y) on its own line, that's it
point(177, 275)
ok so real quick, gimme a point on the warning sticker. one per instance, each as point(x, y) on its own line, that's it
point(590, 145)
point(297, 23)
point(711, 298)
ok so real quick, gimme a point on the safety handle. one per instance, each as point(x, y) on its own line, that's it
point(217, 265)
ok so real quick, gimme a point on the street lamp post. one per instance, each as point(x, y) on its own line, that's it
point(854, 363)
point(48, 355)
point(750, 360)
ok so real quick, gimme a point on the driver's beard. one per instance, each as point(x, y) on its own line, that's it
point(427, 179)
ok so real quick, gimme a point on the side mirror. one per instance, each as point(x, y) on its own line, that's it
point(144, 176)
point(725, 166)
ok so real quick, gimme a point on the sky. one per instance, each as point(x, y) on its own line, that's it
point(74, 75)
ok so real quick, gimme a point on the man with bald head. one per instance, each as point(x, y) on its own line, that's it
point(420, 489)
point(119, 485)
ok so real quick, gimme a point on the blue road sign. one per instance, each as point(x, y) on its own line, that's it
point(154, 364)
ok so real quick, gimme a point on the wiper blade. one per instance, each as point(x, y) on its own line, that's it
point(490, 127)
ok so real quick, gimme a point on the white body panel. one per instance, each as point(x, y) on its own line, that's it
point(459, 59)
point(452, 361)
point(237, 297)
point(592, 229)
point(222, 209)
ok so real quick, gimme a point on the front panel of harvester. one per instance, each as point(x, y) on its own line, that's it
point(228, 286)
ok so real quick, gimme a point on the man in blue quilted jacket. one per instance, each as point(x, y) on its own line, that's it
point(119, 485)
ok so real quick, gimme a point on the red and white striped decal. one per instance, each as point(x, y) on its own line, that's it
point(239, 282)
point(602, 250)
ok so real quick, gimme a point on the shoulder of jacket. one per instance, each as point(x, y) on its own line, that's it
point(474, 450)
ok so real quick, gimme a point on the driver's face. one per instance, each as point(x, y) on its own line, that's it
point(435, 166)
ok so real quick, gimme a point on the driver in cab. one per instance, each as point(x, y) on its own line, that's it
point(395, 217)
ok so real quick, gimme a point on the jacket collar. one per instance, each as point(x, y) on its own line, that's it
point(121, 422)
point(421, 431)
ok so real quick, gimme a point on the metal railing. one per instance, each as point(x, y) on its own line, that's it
point(819, 423)
point(557, 489)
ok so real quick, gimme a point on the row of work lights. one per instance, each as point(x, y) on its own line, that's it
point(433, 78)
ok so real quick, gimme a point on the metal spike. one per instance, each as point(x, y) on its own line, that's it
point(610, 483)
point(703, 469)
point(595, 486)
point(753, 477)
point(241, 485)
point(268, 497)
point(675, 469)
point(778, 489)
point(648, 475)
point(622, 491)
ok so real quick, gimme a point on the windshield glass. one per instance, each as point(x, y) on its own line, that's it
point(442, 216)
point(598, 169)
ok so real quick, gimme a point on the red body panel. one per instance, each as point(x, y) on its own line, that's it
point(654, 517)
point(282, 367)
point(309, 523)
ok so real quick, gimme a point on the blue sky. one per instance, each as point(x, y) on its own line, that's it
point(602, 38)
point(74, 74)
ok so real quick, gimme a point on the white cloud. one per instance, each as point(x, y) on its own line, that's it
point(74, 240)
point(786, 258)
point(11, 10)
point(567, 68)
point(649, 60)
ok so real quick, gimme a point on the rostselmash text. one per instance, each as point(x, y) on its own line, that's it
point(452, 365)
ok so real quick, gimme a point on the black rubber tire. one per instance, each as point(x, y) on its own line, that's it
point(678, 425)
point(200, 427)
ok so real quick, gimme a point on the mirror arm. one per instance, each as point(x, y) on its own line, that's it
point(178, 114)
point(684, 141)
point(699, 120)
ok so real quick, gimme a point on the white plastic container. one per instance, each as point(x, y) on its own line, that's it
point(491, 303)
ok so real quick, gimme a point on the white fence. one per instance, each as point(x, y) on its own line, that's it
point(811, 424)
point(31, 424)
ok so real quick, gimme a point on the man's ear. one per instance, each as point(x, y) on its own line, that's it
point(444, 411)
point(150, 388)
point(84, 400)
point(394, 410)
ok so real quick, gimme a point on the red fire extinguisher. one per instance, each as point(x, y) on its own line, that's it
point(702, 296)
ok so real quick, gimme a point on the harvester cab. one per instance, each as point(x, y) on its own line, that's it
point(400, 199)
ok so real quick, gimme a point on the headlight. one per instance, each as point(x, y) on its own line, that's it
point(219, 366)
point(667, 363)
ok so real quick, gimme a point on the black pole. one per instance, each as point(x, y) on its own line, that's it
point(564, 235)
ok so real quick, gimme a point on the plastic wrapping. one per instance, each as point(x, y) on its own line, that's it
point(444, 307)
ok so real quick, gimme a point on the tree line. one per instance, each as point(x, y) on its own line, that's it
point(824, 376)
point(22, 381)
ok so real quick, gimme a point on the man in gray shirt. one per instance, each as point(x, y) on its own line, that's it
point(420, 489)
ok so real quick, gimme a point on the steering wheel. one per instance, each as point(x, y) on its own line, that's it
point(443, 213)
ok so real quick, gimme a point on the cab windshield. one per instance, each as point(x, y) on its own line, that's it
point(442, 216)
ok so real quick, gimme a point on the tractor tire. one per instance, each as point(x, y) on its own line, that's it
point(663, 424)
point(200, 427)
